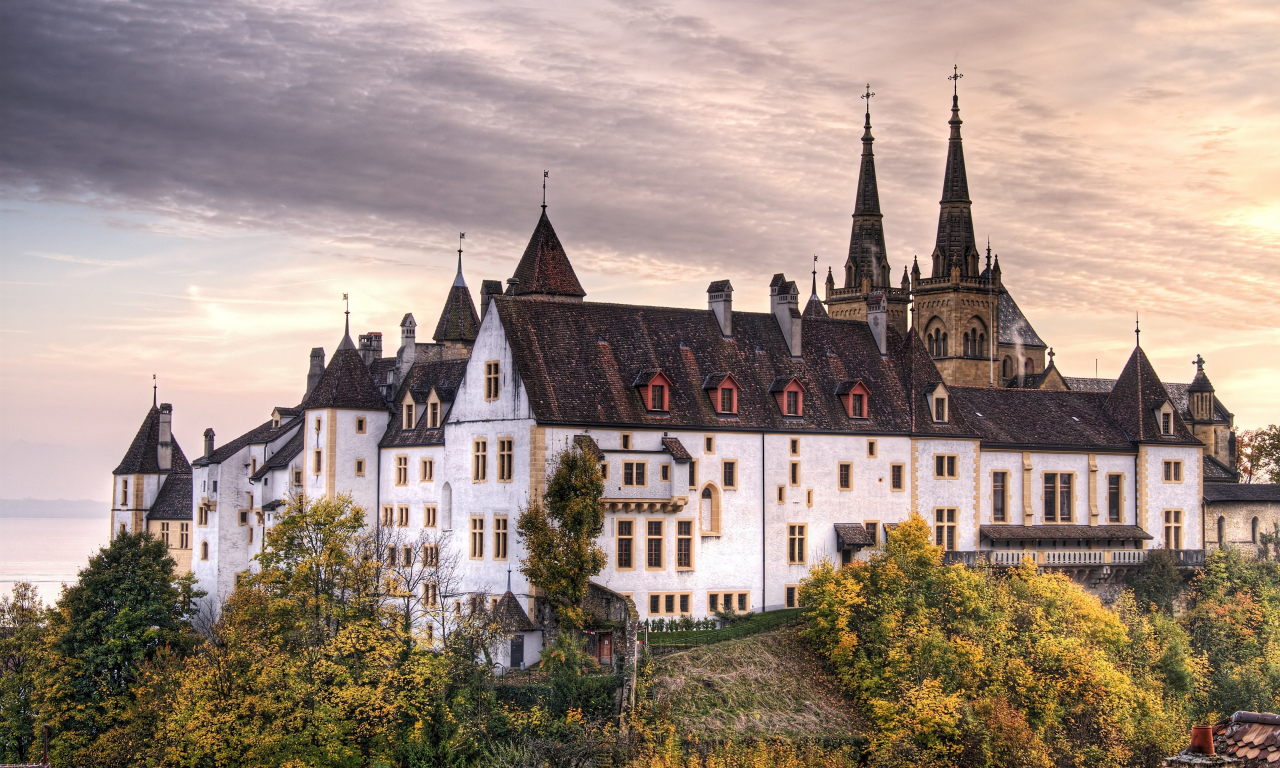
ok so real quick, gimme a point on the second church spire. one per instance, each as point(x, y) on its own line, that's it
point(867, 257)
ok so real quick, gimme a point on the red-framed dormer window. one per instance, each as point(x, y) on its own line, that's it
point(656, 391)
point(723, 389)
point(856, 400)
point(790, 397)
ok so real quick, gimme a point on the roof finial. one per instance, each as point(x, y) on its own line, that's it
point(815, 274)
point(154, 391)
point(988, 251)
point(868, 96)
point(457, 280)
point(508, 577)
point(954, 77)
point(1137, 331)
point(1050, 355)
point(1199, 362)
point(544, 190)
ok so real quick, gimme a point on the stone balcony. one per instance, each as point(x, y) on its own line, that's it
point(1069, 558)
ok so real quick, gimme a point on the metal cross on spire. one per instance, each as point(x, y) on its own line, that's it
point(868, 96)
point(1137, 331)
point(544, 189)
point(1199, 362)
point(954, 77)
point(155, 390)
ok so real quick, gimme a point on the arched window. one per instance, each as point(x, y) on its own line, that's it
point(1006, 368)
point(709, 510)
point(1253, 534)
point(982, 345)
point(1029, 367)
point(446, 507)
point(204, 545)
point(944, 345)
point(1222, 531)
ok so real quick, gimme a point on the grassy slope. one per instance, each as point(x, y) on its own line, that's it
point(768, 684)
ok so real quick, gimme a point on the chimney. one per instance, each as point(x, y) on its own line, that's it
point(720, 302)
point(208, 433)
point(370, 347)
point(784, 301)
point(164, 449)
point(878, 319)
point(488, 289)
point(313, 375)
point(408, 344)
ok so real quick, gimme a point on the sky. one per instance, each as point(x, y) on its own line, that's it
point(188, 188)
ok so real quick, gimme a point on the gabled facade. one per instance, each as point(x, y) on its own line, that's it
point(151, 487)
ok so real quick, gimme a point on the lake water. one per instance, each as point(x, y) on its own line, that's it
point(48, 551)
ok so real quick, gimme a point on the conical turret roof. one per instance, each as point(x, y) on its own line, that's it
point(545, 269)
point(867, 255)
point(458, 321)
point(1134, 399)
point(142, 458)
point(956, 243)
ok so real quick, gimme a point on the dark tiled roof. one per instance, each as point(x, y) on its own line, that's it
point(1061, 532)
point(589, 446)
point(1253, 737)
point(569, 381)
point(1217, 472)
point(545, 267)
point(510, 614)
point(814, 308)
point(719, 286)
point(458, 321)
point(174, 500)
point(676, 449)
point(346, 383)
point(1177, 393)
point(274, 504)
point(852, 535)
point(920, 375)
point(1241, 492)
point(1079, 384)
point(142, 457)
point(1038, 417)
point(281, 458)
point(1014, 326)
point(259, 435)
point(444, 376)
point(1134, 399)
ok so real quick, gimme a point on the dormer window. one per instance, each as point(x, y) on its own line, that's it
point(408, 415)
point(855, 397)
point(655, 389)
point(433, 418)
point(938, 404)
point(789, 393)
point(722, 388)
point(1164, 417)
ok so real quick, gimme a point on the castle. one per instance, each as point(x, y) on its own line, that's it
point(738, 449)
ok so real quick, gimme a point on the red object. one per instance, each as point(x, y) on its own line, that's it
point(1202, 739)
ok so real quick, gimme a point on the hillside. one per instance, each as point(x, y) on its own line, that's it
point(769, 684)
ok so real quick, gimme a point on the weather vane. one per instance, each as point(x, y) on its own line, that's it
point(545, 174)
point(461, 236)
point(154, 390)
point(348, 304)
point(954, 77)
point(1137, 331)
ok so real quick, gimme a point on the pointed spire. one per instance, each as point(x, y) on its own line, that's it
point(458, 321)
point(457, 280)
point(867, 254)
point(955, 243)
point(346, 342)
point(544, 269)
point(155, 392)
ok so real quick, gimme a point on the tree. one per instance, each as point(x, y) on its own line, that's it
point(1157, 582)
point(127, 608)
point(559, 532)
point(22, 622)
point(1258, 454)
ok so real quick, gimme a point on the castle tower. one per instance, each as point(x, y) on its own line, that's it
point(1210, 422)
point(458, 326)
point(866, 269)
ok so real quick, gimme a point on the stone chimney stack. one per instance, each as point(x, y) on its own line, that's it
point(313, 374)
point(370, 347)
point(784, 301)
point(164, 447)
point(878, 319)
point(720, 302)
point(208, 440)
point(488, 289)
point(408, 345)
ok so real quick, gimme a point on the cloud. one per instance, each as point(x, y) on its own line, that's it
point(81, 260)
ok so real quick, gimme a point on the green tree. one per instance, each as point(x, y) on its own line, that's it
point(22, 622)
point(126, 608)
point(1157, 582)
point(1258, 455)
point(559, 532)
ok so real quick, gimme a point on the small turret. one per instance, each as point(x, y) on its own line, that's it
point(314, 372)
point(408, 351)
point(164, 442)
point(208, 433)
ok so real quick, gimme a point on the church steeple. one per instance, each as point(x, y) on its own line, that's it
point(956, 246)
point(867, 258)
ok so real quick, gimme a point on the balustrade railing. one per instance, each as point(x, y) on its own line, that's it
point(1067, 558)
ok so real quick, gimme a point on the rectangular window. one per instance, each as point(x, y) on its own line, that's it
point(793, 403)
point(896, 472)
point(626, 545)
point(317, 462)
point(253, 465)
point(359, 467)
point(1173, 471)
point(795, 473)
point(666, 472)
point(1058, 502)
point(477, 538)
point(663, 602)
point(856, 400)
point(797, 554)
point(726, 400)
point(433, 417)
point(124, 493)
point(479, 461)
point(873, 530)
point(402, 470)
point(388, 516)
point(782, 494)
point(626, 441)
point(244, 517)
point(506, 459)
point(1113, 498)
point(1166, 423)
point(684, 545)
point(499, 538)
point(693, 473)
point(297, 477)
point(633, 474)
point(945, 529)
point(795, 446)
point(431, 596)
point(402, 516)
point(846, 476)
point(604, 470)
point(164, 533)
point(655, 604)
point(713, 602)
point(653, 546)
point(1173, 529)
point(360, 425)
point(429, 516)
point(871, 449)
point(944, 466)
point(427, 472)
point(999, 496)
point(940, 409)
point(791, 595)
point(431, 555)
point(408, 416)
point(730, 474)
point(657, 397)
point(491, 380)
point(808, 497)
point(392, 552)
